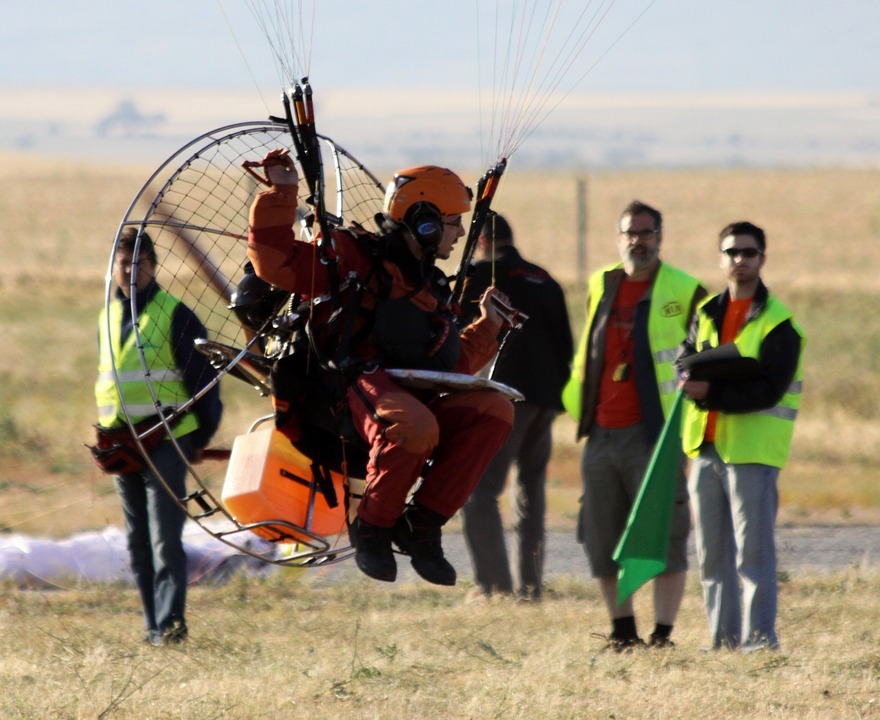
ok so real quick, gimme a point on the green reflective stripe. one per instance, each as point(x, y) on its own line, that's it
point(141, 411)
point(154, 375)
point(133, 376)
point(164, 375)
point(666, 356)
point(787, 409)
point(135, 411)
point(784, 413)
point(670, 386)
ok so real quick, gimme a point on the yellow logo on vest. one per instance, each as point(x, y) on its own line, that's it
point(671, 309)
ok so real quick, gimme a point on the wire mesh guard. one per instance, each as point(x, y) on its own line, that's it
point(195, 209)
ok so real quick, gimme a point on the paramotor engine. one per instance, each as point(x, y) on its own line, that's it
point(195, 208)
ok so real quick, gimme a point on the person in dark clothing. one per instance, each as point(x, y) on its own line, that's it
point(534, 360)
point(167, 330)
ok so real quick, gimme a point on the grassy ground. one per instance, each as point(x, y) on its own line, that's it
point(276, 648)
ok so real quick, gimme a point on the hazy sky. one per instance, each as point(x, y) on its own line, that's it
point(677, 46)
point(790, 81)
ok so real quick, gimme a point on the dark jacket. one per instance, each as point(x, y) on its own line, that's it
point(780, 352)
point(534, 360)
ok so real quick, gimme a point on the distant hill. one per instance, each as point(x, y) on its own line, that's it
point(395, 129)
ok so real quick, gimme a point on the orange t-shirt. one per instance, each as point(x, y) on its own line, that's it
point(733, 322)
point(618, 404)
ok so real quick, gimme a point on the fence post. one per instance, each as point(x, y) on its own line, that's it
point(581, 238)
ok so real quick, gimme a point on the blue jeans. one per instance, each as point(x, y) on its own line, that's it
point(529, 445)
point(154, 529)
point(735, 510)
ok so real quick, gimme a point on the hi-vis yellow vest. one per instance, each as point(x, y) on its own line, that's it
point(154, 329)
point(762, 437)
point(672, 293)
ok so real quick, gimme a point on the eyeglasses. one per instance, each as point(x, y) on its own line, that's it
point(639, 234)
point(749, 253)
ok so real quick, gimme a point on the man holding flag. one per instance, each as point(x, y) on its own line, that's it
point(622, 389)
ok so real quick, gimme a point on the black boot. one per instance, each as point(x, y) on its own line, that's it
point(373, 554)
point(417, 533)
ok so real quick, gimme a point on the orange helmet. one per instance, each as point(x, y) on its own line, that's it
point(430, 184)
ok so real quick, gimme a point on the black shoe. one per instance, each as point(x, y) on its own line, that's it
point(660, 641)
point(625, 644)
point(176, 634)
point(417, 533)
point(618, 644)
point(373, 554)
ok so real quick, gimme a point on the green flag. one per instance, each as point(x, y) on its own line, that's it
point(641, 552)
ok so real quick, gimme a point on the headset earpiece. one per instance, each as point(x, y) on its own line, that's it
point(426, 224)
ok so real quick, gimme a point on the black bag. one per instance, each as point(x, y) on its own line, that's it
point(719, 363)
point(116, 451)
point(309, 415)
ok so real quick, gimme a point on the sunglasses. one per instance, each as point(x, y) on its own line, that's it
point(734, 253)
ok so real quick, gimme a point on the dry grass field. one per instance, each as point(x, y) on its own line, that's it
point(278, 650)
point(283, 648)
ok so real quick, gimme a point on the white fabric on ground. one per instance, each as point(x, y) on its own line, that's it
point(102, 557)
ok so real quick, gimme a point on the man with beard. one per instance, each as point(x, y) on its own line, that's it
point(622, 387)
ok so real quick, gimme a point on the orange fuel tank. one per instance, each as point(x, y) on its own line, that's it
point(269, 479)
